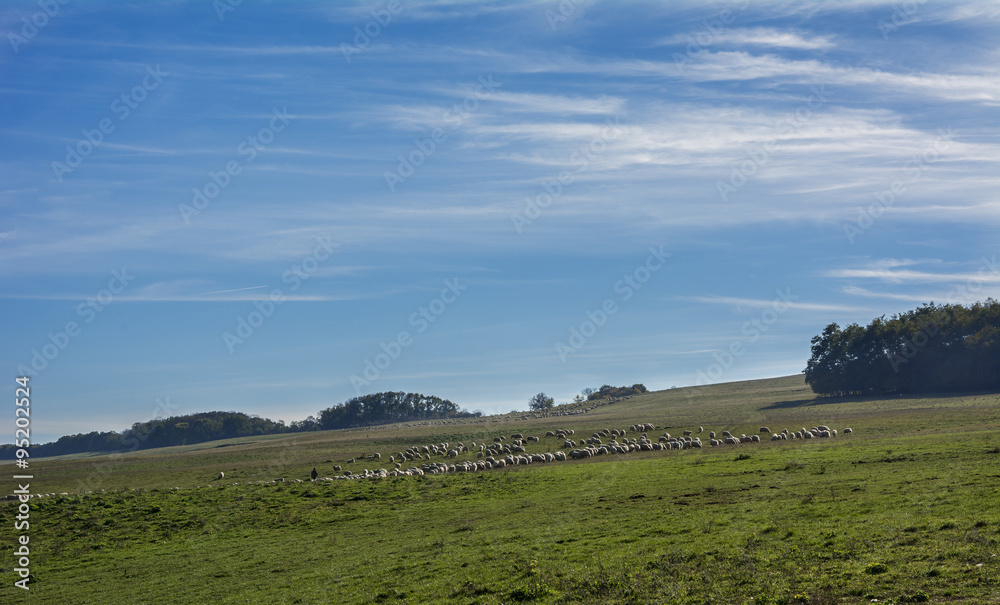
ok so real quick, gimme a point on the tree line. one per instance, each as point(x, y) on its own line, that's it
point(934, 348)
point(378, 408)
point(609, 392)
point(383, 408)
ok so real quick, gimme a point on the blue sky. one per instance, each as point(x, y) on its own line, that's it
point(476, 200)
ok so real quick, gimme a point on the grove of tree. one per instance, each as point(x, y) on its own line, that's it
point(931, 349)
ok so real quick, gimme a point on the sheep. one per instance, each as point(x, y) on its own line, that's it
point(516, 436)
point(848, 431)
point(755, 438)
point(764, 429)
point(688, 433)
point(337, 468)
point(711, 435)
point(222, 475)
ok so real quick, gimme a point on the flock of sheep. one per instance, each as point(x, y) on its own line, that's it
point(504, 452)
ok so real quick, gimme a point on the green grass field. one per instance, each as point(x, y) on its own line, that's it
point(903, 510)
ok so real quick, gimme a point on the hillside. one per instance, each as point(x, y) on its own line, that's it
point(894, 510)
point(739, 407)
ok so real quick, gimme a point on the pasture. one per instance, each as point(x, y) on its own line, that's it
point(902, 510)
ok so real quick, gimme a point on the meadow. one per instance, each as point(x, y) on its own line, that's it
point(902, 510)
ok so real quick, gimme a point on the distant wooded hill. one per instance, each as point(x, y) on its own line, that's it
point(382, 408)
point(378, 408)
point(932, 349)
point(608, 392)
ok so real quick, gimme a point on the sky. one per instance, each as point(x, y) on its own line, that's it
point(275, 207)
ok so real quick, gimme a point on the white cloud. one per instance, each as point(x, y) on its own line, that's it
point(724, 66)
point(912, 277)
point(760, 303)
point(757, 36)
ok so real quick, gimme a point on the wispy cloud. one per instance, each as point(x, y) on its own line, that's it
point(906, 276)
point(758, 36)
point(760, 303)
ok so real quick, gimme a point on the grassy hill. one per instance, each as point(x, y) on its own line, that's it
point(902, 509)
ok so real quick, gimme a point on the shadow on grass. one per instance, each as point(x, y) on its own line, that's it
point(802, 403)
point(812, 401)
